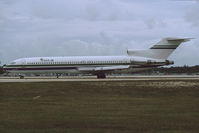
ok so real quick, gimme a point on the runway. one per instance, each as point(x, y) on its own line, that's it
point(94, 79)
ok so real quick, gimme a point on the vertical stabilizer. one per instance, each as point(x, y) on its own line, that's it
point(161, 50)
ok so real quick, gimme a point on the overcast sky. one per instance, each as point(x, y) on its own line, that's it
point(96, 27)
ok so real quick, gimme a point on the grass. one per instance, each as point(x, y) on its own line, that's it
point(96, 107)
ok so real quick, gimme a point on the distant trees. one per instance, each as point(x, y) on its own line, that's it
point(172, 70)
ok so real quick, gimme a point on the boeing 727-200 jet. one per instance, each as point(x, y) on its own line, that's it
point(136, 60)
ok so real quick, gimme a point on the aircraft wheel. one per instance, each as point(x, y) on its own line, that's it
point(57, 75)
point(101, 76)
point(21, 76)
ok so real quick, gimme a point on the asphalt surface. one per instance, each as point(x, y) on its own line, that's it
point(93, 78)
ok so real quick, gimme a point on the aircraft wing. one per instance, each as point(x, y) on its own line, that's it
point(104, 68)
point(109, 68)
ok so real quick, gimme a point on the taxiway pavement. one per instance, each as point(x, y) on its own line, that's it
point(94, 79)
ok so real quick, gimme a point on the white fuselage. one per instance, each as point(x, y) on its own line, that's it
point(82, 64)
point(136, 60)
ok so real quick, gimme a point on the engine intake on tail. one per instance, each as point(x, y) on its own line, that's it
point(168, 62)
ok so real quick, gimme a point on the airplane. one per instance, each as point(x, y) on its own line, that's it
point(135, 60)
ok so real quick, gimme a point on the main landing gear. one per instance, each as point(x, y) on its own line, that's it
point(21, 76)
point(101, 76)
point(57, 74)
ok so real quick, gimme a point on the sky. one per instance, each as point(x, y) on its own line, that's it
point(32, 28)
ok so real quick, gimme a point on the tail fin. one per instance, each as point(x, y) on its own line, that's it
point(161, 50)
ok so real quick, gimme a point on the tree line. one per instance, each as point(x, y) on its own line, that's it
point(172, 70)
